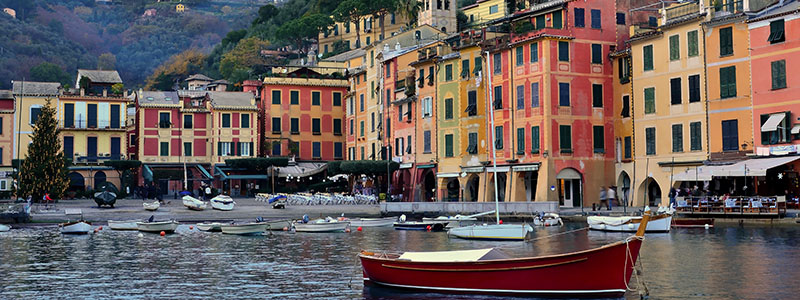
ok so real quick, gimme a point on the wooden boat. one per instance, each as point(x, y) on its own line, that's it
point(77, 227)
point(151, 206)
point(4, 228)
point(123, 225)
point(321, 225)
point(692, 223)
point(222, 202)
point(548, 219)
point(212, 227)
point(599, 272)
point(492, 232)
point(165, 226)
point(658, 223)
point(372, 222)
point(105, 198)
point(193, 203)
point(244, 229)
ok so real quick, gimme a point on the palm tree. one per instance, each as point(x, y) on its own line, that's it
point(410, 10)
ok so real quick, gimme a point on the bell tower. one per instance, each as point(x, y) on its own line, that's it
point(440, 14)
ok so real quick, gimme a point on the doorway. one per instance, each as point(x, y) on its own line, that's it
point(569, 188)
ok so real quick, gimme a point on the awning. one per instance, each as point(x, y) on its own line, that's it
point(772, 123)
point(406, 165)
point(568, 174)
point(755, 167)
point(204, 172)
point(526, 168)
point(147, 173)
point(701, 173)
point(447, 175)
point(303, 169)
point(472, 169)
point(226, 176)
point(498, 169)
point(426, 166)
point(796, 129)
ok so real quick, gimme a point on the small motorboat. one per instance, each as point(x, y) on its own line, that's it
point(278, 225)
point(658, 223)
point(211, 227)
point(151, 206)
point(692, 223)
point(402, 224)
point(4, 228)
point(77, 227)
point(222, 202)
point(547, 219)
point(123, 225)
point(157, 226)
point(193, 203)
point(372, 222)
point(492, 232)
point(244, 229)
point(105, 198)
point(320, 225)
point(604, 271)
point(459, 220)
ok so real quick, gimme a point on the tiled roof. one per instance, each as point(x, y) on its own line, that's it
point(36, 88)
point(6, 94)
point(200, 77)
point(232, 99)
point(100, 76)
point(776, 10)
point(158, 98)
point(347, 55)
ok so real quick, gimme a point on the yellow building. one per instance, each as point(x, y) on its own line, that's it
point(30, 97)
point(241, 109)
point(369, 32)
point(623, 124)
point(6, 138)
point(180, 8)
point(668, 102)
point(484, 11)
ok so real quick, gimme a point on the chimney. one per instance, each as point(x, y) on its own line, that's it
point(105, 93)
point(397, 46)
point(83, 92)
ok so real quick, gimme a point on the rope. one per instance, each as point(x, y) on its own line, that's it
point(557, 234)
point(641, 287)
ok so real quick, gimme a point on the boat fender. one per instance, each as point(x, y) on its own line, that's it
point(402, 218)
point(500, 222)
point(707, 226)
point(191, 227)
point(347, 230)
point(428, 227)
point(630, 226)
point(359, 228)
point(141, 235)
point(285, 228)
point(305, 218)
point(601, 226)
point(163, 233)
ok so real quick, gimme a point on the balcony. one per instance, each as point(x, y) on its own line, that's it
point(97, 159)
point(681, 10)
point(500, 42)
point(91, 125)
point(724, 8)
point(527, 32)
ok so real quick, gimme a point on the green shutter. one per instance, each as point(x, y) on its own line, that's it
point(727, 82)
point(534, 52)
point(691, 40)
point(535, 139)
point(677, 138)
point(778, 74)
point(650, 139)
point(597, 54)
point(694, 127)
point(557, 19)
point(565, 138)
point(448, 145)
point(599, 139)
point(726, 41)
point(520, 141)
point(219, 148)
point(540, 22)
point(649, 100)
point(520, 56)
point(563, 51)
point(597, 95)
point(648, 57)
point(674, 47)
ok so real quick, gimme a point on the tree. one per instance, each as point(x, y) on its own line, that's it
point(83, 83)
point(49, 72)
point(245, 55)
point(265, 13)
point(122, 166)
point(117, 89)
point(379, 9)
point(178, 66)
point(43, 170)
point(351, 11)
point(461, 20)
point(409, 9)
point(107, 61)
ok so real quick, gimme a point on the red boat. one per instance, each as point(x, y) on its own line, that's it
point(599, 272)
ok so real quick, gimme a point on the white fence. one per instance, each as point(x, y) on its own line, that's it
point(469, 207)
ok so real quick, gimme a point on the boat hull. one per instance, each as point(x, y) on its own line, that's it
point(657, 224)
point(321, 227)
point(76, 228)
point(152, 206)
point(165, 226)
point(278, 225)
point(244, 229)
point(212, 227)
point(193, 203)
point(492, 232)
point(373, 222)
point(222, 203)
point(600, 272)
point(435, 226)
point(4, 228)
point(123, 225)
point(453, 222)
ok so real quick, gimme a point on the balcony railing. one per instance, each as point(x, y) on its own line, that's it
point(680, 10)
point(91, 125)
point(98, 158)
point(728, 7)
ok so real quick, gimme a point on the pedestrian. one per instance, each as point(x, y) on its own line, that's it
point(603, 199)
point(611, 195)
point(672, 195)
point(208, 192)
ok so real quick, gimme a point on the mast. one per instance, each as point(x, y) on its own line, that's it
point(494, 138)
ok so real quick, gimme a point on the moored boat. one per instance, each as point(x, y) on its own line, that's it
point(599, 272)
point(321, 225)
point(159, 226)
point(123, 225)
point(278, 225)
point(222, 202)
point(244, 229)
point(77, 227)
point(492, 232)
point(692, 223)
point(458, 220)
point(548, 219)
point(212, 227)
point(658, 223)
point(4, 228)
point(151, 206)
point(193, 203)
point(372, 222)
point(420, 225)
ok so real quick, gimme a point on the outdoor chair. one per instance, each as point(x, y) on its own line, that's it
point(731, 206)
point(682, 205)
point(701, 205)
point(780, 203)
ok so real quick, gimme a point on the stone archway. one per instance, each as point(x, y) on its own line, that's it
point(624, 188)
point(649, 192)
point(472, 188)
point(452, 189)
point(99, 178)
point(76, 182)
point(570, 188)
point(428, 186)
point(501, 187)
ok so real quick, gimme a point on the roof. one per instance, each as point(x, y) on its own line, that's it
point(6, 94)
point(192, 93)
point(158, 97)
point(36, 88)
point(199, 77)
point(232, 99)
point(347, 55)
point(100, 76)
point(221, 81)
point(776, 11)
point(395, 53)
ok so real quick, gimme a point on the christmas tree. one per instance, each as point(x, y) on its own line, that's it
point(43, 170)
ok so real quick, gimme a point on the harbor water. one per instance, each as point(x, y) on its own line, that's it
point(726, 262)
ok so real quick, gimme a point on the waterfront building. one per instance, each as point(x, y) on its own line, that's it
point(29, 97)
point(484, 11)
point(423, 81)
point(6, 139)
point(370, 28)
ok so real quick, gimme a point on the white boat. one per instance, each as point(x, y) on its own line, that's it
point(193, 203)
point(123, 225)
point(165, 226)
point(213, 227)
point(321, 225)
point(222, 202)
point(372, 222)
point(278, 225)
point(492, 231)
point(658, 223)
point(244, 229)
point(458, 220)
point(78, 227)
point(151, 206)
point(4, 228)
point(548, 219)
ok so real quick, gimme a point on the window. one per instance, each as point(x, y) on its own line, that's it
point(691, 40)
point(115, 121)
point(674, 47)
point(649, 100)
point(464, 69)
point(520, 97)
point(628, 147)
point(337, 150)
point(472, 145)
point(421, 77)
point(362, 103)
point(730, 135)
point(563, 94)
point(498, 97)
point(563, 51)
point(677, 138)
point(675, 90)
point(650, 140)
point(133, 140)
point(478, 66)
point(426, 141)
point(448, 145)
point(388, 69)
point(448, 108)
point(245, 121)
point(778, 74)
point(557, 19)
point(580, 17)
point(597, 95)
point(163, 119)
point(388, 95)
point(780, 133)
point(69, 146)
point(597, 54)
point(315, 126)
point(725, 41)
point(694, 88)
point(408, 146)
point(164, 149)
point(351, 127)
point(427, 107)
point(652, 21)
point(472, 103)
point(276, 148)
point(520, 56)
point(295, 126)
point(596, 18)
point(448, 72)
point(776, 32)
point(337, 126)
point(620, 18)
point(276, 97)
point(187, 121)
point(624, 65)
point(540, 22)
point(535, 140)
point(69, 115)
point(493, 9)
point(565, 138)
point(337, 99)
point(598, 133)
point(534, 49)
point(362, 153)
point(497, 63)
point(647, 52)
point(498, 137)
point(727, 82)
point(91, 115)
point(187, 149)
point(315, 98)
point(316, 149)
point(372, 124)
point(535, 94)
point(694, 133)
point(276, 125)
point(362, 128)
point(226, 120)
point(400, 113)
point(351, 106)
point(626, 106)
point(393, 19)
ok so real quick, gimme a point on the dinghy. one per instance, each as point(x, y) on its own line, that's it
point(4, 228)
point(222, 202)
point(212, 227)
point(372, 222)
point(402, 224)
point(320, 225)
point(77, 227)
point(244, 229)
point(458, 220)
point(151, 206)
point(278, 225)
point(157, 226)
point(123, 225)
point(658, 223)
point(548, 219)
point(193, 203)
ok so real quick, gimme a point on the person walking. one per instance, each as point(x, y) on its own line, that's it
point(208, 193)
point(603, 198)
point(611, 195)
